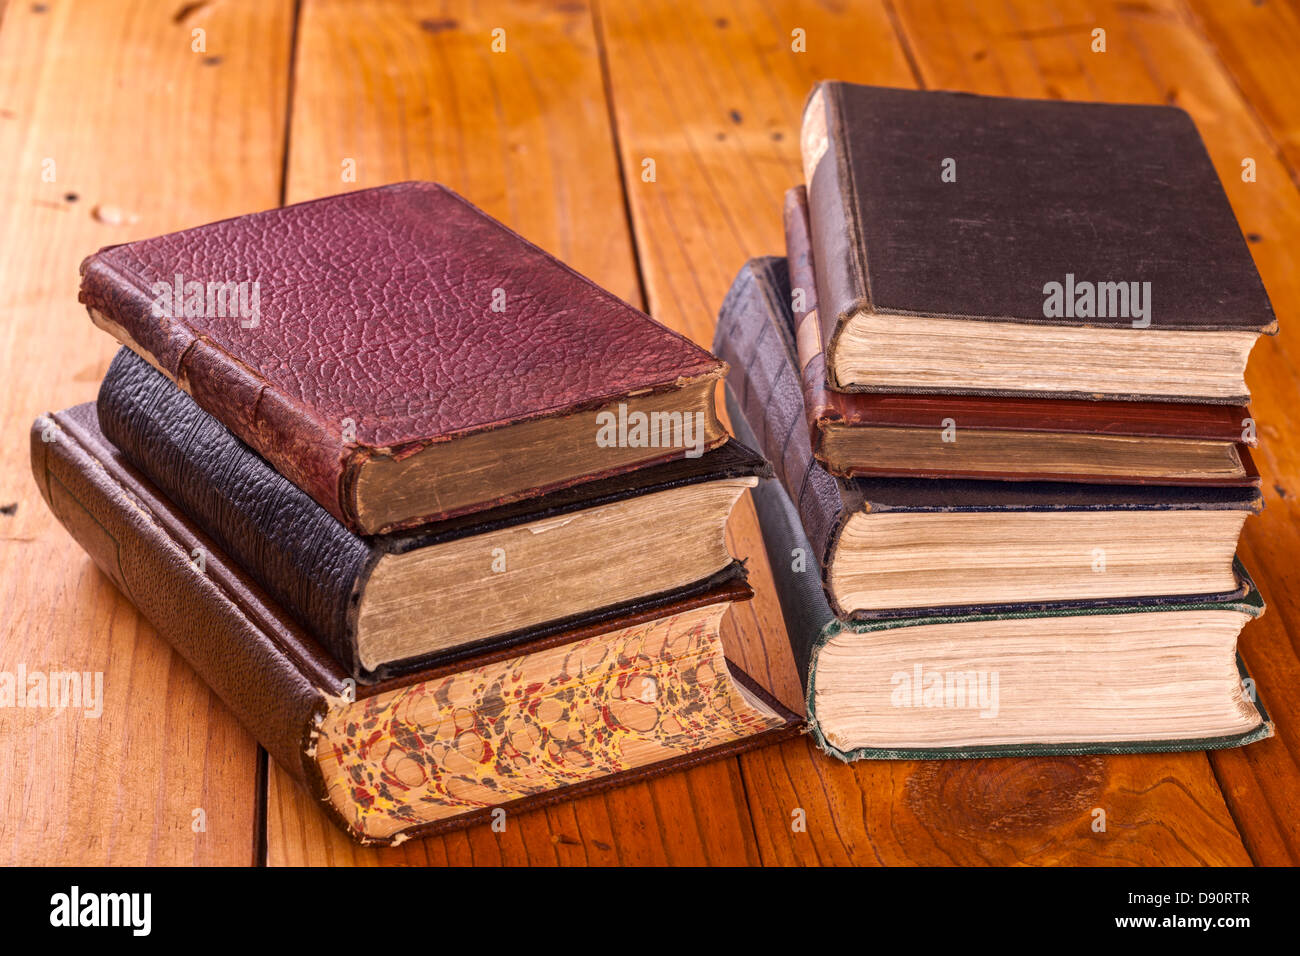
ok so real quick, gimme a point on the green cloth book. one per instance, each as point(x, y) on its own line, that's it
point(1035, 679)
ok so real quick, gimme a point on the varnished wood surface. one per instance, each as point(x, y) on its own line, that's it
point(551, 136)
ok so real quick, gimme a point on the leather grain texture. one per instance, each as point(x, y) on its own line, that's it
point(401, 313)
point(758, 346)
point(276, 679)
point(825, 407)
point(755, 335)
point(314, 567)
point(1107, 192)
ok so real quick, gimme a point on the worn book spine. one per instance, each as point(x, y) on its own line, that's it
point(821, 404)
point(277, 681)
point(754, 340)
point(837, 246)
point(807, 614)
point(308, 450)
point(308, 562)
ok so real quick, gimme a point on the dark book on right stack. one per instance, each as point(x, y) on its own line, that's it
point(1000, 375)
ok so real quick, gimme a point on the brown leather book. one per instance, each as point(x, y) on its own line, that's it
point(965, 436)
point(991, 245)
point(403, 357)
point(569, 714)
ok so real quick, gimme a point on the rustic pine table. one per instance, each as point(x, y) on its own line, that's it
point(123, 119)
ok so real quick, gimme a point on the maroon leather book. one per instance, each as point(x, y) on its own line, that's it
point(433, 750)
point(1002, 437)
point(403, 357)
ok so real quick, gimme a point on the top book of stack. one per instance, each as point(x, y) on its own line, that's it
point(993, 246)
point(402, 357)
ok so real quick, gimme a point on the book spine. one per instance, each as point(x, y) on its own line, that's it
point(211, 613)
point(755, 338)
point(821, 405)
point(306, 560)
point(837, 246)
point(804, 608)
point(309, 452)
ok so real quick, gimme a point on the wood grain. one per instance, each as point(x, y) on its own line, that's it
point(145, 136)
point(715, 97)
point(525, 135)
point(1257, 43)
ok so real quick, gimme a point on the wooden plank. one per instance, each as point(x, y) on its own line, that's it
point(525, 135)
point(1257, 43)
point(1156, 53)
point(714, 96)
point(142, 135)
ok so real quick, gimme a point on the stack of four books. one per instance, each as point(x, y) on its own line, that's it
point(1000, 377)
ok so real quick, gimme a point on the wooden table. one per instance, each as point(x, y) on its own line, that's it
point(123, 119)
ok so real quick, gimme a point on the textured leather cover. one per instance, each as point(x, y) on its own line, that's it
point(757, 341)
point(1136, 419)
point(1044, 188)
point(810, 623)
point(275, 678)
point(310, 564)
point(758, 346)
point(376, 308)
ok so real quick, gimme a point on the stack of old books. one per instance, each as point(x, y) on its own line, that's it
point(438, 518)
point(1000, 376)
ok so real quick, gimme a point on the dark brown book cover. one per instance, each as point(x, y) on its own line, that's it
point(755, 336)
point(362, 329)
point(309, 563)
point(280, 683)
point(1042, 189)
point(825, 407)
